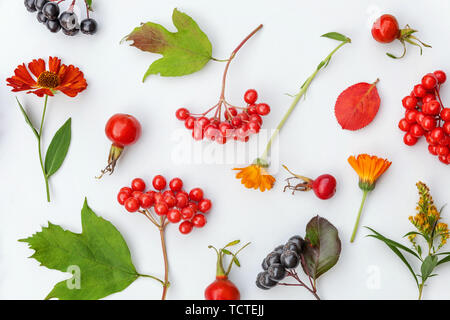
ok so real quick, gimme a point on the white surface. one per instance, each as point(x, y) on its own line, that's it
point(276, 61)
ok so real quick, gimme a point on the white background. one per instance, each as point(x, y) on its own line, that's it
point(276, 61)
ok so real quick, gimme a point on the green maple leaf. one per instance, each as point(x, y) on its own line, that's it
point(184, 52)
point(99, 256)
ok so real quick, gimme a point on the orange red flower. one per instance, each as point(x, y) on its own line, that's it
point(41, 81)
point(255, 177)
point(369, 169)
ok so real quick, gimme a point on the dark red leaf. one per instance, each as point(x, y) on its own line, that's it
point(357, 105)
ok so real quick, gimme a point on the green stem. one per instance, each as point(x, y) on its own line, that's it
point(420, 291)
point(39, 148)
point(152, 277)
point(359, 215)
point(297, 98)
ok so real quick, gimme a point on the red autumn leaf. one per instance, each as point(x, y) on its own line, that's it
point(357, 105)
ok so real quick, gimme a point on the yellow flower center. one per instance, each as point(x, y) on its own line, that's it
point(48, 80)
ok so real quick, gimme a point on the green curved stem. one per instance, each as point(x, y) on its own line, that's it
point(39, 148)
point(355, 229)
point(151, 277)
point(297, 98)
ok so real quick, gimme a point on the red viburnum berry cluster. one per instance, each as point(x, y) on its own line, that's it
point(236, 125)
point(174, 204)
point(426, 116)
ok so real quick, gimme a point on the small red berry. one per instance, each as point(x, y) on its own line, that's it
point(385, 29)
point(236, 122)
point(176, 184)
point(253, 127)
point(159, 182)
point(441, 76)
point(174, 215)
point(122, 197)
point(409, 139)
point(161, 208)
point(443, 150)
point(193, 206)
point(420, 91)
point(252, 109)
point(196, 194)
point(262, 109)
point(410, 116)
point(250, 96)
point(416, 130)
point(419, 117)
point(127, 190)
point(256, 117)
point(409, 102)
point(185, 227)
point(429, 81)
point(243, 116)
point(131, 204)
point(137, 194)
point(204, 205)
point(437, 134)
point(158, 197)
point(225, 129)
point(432, 107)
point(170, 200)
point(146, 200)
point(428, 97)
point(199, 220)
point(187, 213)
point(432, 149)
point(182, 114)
point(138, 184)
point(189, 122)
point(428, 123)
point(182, 200)
point(446, 127)
point(445, 114)
point(404, 125)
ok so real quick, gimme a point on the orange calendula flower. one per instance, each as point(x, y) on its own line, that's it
point(255, 176)
point(41, 81)
point(369, 169)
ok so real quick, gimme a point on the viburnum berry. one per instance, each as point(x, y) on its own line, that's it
point(138, 184)
point(250, 96)
point(429, 81)
point(174, 215)
point(428, 123)
point(122, 197)
point(127, 190)
point(187, 213)
point(432, 149)
point(404, 125)
point(441, 76)
point(446, 127)
point(185, 227)
point(417, 130)
point(131, 204)
point(409, 102)
point(182, 200)
point(159, 182)
point(199, 220)
point(409, 139)
point(182, 114)
point(161, 208)
point(196, 194)
point(204, 205)
point(146, 200)
point(445, 114)
point(437, 134)
point(170, 200)
point(420, 91)
point(411, 115)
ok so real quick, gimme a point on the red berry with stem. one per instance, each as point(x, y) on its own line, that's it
point(123, 130)
point(174, 215)
point(182, 114)
point(385, 29)
point(176, 184)
point(132, 204)
point(441, 76)
point(146, 200)
point(138, 184)
point(324, 186)
point(185, 227)
point(250, 96)
point(196, 194)
point(416, 130)
point(159, 182)
point(189, 122)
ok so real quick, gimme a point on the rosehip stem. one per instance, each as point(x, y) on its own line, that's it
point(297, 97)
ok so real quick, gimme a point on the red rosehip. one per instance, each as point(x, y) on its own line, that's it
point(385, 29)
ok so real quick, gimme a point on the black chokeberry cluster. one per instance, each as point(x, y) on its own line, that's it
point(49, 13)
point(280, 262)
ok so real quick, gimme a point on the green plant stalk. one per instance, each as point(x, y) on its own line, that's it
point(39, 137)
point(297, 97)
point(355, 229)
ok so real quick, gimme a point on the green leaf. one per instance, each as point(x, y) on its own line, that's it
point(395, 244)
point(233, 243)
point(89, 4)
point(336, 36)
point(444, 260)
point(184, 52)
point(27, 119)
point(236, 261)
point(227, 252)
point(323, 247)
point(57, 150)
point(99, 253)
point(428, 266)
